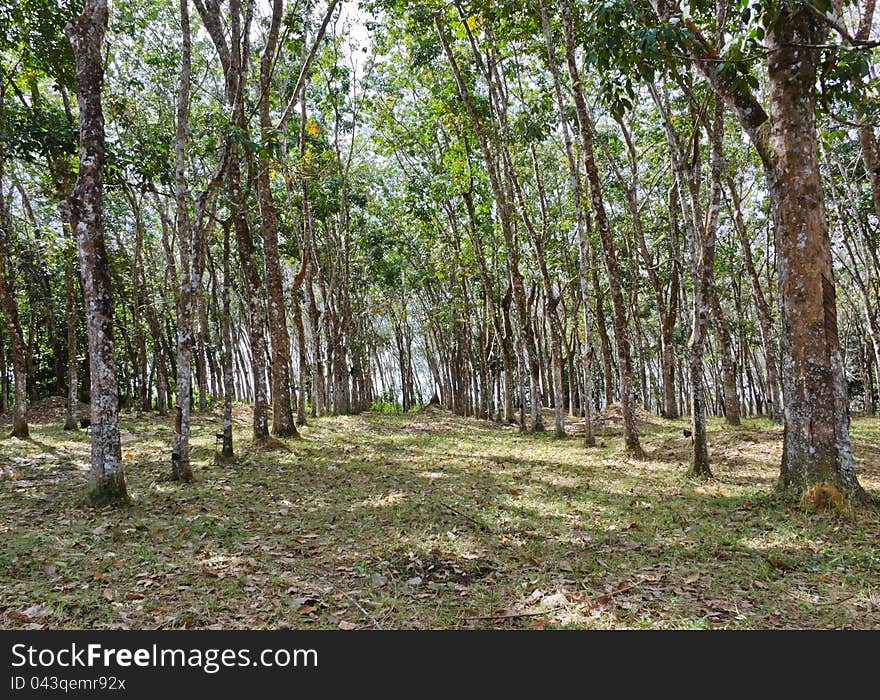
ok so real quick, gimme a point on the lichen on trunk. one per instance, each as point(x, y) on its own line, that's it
point(107, 474)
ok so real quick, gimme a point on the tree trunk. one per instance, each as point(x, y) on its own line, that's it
point(765, 319)
point(70, 419)
point(816, 446)
point(227, 452)
point(86, 34)
point(816, 450)
point(618, 309)
point(283, 424)
point(667, 353)
point(189, 283)
point(728, 364)
point(13, 327)
point(604, 340)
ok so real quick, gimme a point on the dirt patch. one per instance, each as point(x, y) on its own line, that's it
point(50, 410)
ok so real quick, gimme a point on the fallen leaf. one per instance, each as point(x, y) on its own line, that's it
point(37, 612)
point(306, 609)
point(556, 600)
point(343, 625)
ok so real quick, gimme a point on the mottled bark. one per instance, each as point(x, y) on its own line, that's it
point(253, 298)
point(867, 135)
point(234, 57)
point(4, 377)
point(107, 474)
point(816, 447)
point(282, 411)
point(70, 417)
point(551, 299)
point(9, 309)
point(508, 356)
point(602, 328)
point(181, 469)
point(202, 341)
point(701, 235)
point(817, 442)
point(60, 170)
point(504, 340)
point(864, 265)
point(703, 281)
point(138, 305)
point(667, 354)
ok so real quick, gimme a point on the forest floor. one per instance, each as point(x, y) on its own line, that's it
point(428, 520)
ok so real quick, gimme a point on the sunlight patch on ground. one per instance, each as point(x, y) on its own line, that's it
point(432, 520)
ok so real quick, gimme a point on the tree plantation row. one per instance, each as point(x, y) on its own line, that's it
point(503, 207)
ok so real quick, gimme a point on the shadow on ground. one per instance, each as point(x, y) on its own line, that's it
point(429, 520)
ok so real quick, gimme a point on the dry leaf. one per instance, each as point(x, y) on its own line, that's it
point(37, 612)
point(557, 600)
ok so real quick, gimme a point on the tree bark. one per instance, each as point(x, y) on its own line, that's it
point(70, 419)
point(86, 35)
point(181, 469)
point(817, 442)
point(226, 359)
point(13, 327)
point(618, 308)
point(283, 424)
point(816, 446)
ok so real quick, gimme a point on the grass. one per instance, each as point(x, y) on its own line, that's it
point(427, 520)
